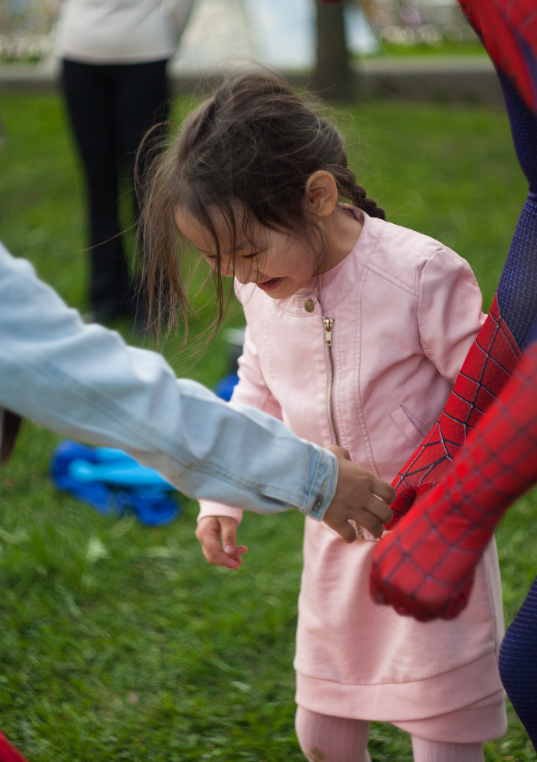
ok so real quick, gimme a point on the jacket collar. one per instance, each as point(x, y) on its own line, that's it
point(327, 291)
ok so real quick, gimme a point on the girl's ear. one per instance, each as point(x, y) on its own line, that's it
point(321, 194)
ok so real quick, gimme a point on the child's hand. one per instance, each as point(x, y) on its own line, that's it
point(359, 496)
point(209, 531)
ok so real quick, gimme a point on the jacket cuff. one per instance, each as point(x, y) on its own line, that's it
point(208, 508)
point(323, 487)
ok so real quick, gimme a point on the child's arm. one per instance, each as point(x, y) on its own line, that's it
point(359, 496)
point(217, 522)
point(449, 312)
point(449, 319)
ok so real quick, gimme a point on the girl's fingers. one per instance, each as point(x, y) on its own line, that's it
point(215, 531)
point(213, 552)
point(210, 543)
point(228, 562)
point(208, 534)
point(217, 557)
point(239, 551)
point(229, 534)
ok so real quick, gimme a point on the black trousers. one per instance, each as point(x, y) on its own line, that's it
point(111, 106)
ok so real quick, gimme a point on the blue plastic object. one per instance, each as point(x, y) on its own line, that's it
point(113, 482)
point(224, 387)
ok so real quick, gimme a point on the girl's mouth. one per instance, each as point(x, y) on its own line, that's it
point(270, 285)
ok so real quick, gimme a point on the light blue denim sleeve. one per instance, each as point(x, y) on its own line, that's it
point(85, 383)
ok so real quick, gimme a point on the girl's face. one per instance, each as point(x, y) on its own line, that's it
point(278, 263)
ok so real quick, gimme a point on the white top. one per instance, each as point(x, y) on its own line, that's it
point(121, 31)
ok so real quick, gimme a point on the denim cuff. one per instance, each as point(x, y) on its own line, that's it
point(323, 486)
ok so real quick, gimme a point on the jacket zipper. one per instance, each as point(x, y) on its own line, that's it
point(328, 323)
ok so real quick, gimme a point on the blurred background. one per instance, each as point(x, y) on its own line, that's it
point(119, 642)
point(260, 28)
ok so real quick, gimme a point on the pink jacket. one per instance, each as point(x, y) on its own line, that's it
point(405, 310)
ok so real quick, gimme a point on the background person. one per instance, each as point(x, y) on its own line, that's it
point(114, 57)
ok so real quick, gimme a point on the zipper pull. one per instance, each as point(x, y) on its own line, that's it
point(328, 323)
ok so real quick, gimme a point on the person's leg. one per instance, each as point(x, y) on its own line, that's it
point(89, 102)
point(518, 663)
point(435, 751)
point(331, 739)
point(141, 104)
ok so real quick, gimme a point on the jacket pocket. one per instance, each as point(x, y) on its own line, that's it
point(410, 426)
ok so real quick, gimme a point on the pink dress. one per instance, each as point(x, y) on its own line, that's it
point(405, 311)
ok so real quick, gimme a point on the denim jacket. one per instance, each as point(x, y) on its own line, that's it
point(84, 382)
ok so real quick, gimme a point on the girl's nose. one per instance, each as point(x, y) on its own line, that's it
point(245, 275)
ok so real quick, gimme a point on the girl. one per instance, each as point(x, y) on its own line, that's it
point(356, 331)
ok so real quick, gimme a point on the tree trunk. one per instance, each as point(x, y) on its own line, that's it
point(332, 78)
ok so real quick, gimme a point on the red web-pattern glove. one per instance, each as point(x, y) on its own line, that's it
point(8, 753)
point(487, 368)
point(425, 568)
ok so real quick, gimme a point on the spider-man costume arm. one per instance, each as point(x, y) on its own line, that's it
point(497, 348)
point(425, 568)
point(485, 372)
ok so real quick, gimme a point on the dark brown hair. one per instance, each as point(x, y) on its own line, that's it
point(246, 154)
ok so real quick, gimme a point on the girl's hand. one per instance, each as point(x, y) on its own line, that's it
point(360, 496)
point(210, 530)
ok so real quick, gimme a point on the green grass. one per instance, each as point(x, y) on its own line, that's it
point(121, 643)
point(441, 48)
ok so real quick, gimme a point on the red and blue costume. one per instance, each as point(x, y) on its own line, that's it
point(425, 567)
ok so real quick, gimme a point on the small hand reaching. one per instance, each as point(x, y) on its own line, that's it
point(360, 496)
point(210, 531)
